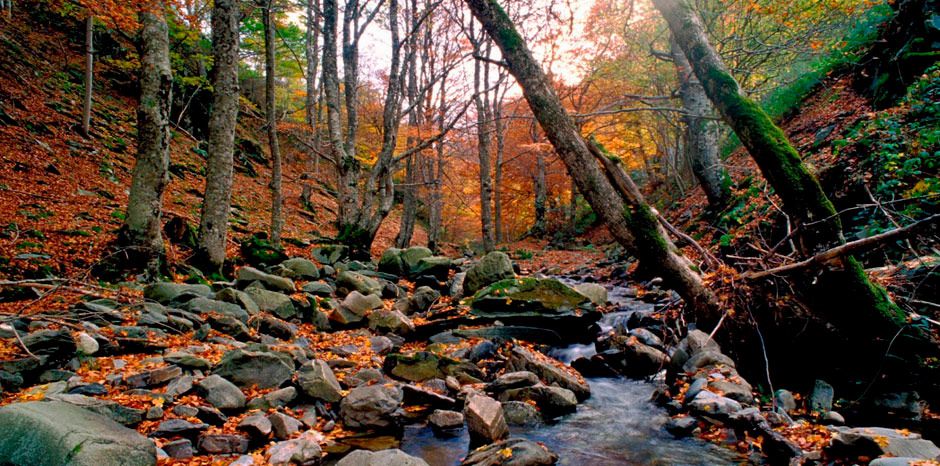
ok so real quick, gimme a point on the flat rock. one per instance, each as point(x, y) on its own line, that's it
point(393, 457)
point(522, 359)
point(260, 369)
point(221, 393)
point(248, 275)
point(520, 453)
point(879, 441)
point(304, 450)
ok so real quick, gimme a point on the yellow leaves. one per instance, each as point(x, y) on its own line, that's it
point(506, 453)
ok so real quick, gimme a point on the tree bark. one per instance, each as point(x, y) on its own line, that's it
point(701, 135)
point(89, 73)
point(499, 127)
point(270, 101)
point(410, 192)
point(480, 83)
point(843, 291)
point(313, 62)
point(631, 221)
point(145, 204)
point(541, 194)
point(213, 224)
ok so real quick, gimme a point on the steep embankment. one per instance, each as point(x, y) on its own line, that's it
point(62, 196)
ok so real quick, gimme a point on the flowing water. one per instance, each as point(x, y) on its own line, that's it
point(617, 425)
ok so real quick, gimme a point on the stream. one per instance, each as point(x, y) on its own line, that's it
point(617, 425)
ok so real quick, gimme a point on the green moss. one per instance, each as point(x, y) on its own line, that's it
point(507, 34)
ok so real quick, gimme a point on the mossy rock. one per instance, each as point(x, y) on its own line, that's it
point(411, 256)
point(424, 365)
point(437, 266)
point(493, 267)
point(354, 281)
point(258, 251)
point(391, 262)
point(330, 254)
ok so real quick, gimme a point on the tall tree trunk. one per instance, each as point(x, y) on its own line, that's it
point(631, 221)
point(436, 214)
point(843, 289)
point(410, 192)
point(701, 135)
point(213, 224)
point(145, 204)
point(312, 110)
point(89, 73)
point(541, 194)
point(500, 128)
point(270, 101)
point(480, 84)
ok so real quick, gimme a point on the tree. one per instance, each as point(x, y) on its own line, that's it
point(861, 304)
point(615, 199)
point(481, 82)
point(89, 73)
point(142, 227)
point(213, 225)
point(270, 106)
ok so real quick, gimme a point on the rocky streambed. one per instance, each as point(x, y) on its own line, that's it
point(414, 360)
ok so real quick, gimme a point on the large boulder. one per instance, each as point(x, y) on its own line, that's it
point(301, 268)
point(542, 303)
point(492, 268)
point(317, 380)
point(877, 441)
point(391, 262)
point(435, 266)
point(511, 452)
point(260, 369)
point(548, 370)
point(411, 256)
point(485, 420)
point(372, 407)
point(393, 457)
point(551, 401)
point(63, 434)
point(355, 281)
point(596, 293)
point(424, 365)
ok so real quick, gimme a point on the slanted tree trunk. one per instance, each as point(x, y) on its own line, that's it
point(701, 134)
point(89, 73)
point(844, 289)
point(270, 102)
point(631, 221)
point(213, 224)
point(142, 228)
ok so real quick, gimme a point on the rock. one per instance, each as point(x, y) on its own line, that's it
point(381, 345)
point(712, 406)
point(698, 384)
point(873, 442)
point(681, 427)
point(153, 378)
point(207, 306)
point(388, 321)
point(221, 393)
point(187, 360)
point(492, 268)
point(445, 420)
point(55, 432)
point(179, 449)
point(551, 401)
point(736, 388)
point(277, 328)
point(512, 380)
point(301, 268)
point(706, 358)
point(519, 413)
point(424, 365)
point(833, 417)
point(365, 376)
point(596, 293)
point(391, 262)
point(257, 426)
point(255, 368)
point(512, 452)
point(211, 416)
point(318, 289)
point(284, 426)
point(411, 256)
point(421, 396)
point(230, 326)
point(248, 275)
point(113, 410)
point(820, 400)
point(394, 457)
point(354, 281)
point(180, 427)
point(543, 303)
point(485, 420)
point(167, 292)
point(371, 407)
point(522, 359)
point(275, 399)
point(435, 266)
point(646, 337)
point(785, 401)
point(57, 344)
point(892, 461)
point(223, 444)
point(696, 341)
point(304, 450)
point(316, 379)
point(240, 298)
point(86, 344)
point(423, 298)
point(640, 360)
point(330, 254)
point(276, 303)
point(361, 304)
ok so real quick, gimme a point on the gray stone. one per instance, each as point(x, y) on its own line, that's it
point(60, 433)
point(681, 427)
point(710, 405)
point(361, 304)
point(512, 380)
point(86, 344)
point(485, 420)
point(179, 449)
point(785, 401)
point(391, 262)
point(520, 413)
point(318, 289)
point(301, 268)
point(240, 298)
point(354, 281)
point(207, 306)
point(706, 358)
point(181, 427)
point(411, 256)
point(283, 425)
point(221, 393)
point(820, 400)
point(388, 321)
point(317, 380)
point(737, 389)
point(394, 457)
point(113, 410)
point(879, 441)
point(274, 302)
point(492, 268)
point(167, 292)
point(223, 444)
point(257, 426)
point(329, 254)
point(303, 450)
point(522, 453)
point(57, 344)
point(445, 420)
point(371, 407)
point(187, 360)
point(180, 386)
point(275, 399)
point(248, 275)
point(596, 293)
point(698, 384)
point(423, 298)
point(260, 369)
point(230, 326)
point(435, 266)
point(551, 401)
point(522, 359)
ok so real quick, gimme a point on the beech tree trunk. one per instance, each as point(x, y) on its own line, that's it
point(843, 290)
point(270, 102)
point(436, 208)
point(409, 213)
point(541, 194)
point(213, 224)
point(480, 83)
point(701, 135)
point(499, 127)
point(89, 73)
point(313, 62)
point(631, 221)
point(145, 204)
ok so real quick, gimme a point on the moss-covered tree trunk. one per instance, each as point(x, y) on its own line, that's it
point(213, 224)
point(842, 290)
point(631, 221)
point(142, 227)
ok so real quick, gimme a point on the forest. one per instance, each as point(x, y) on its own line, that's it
point(469, 232)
